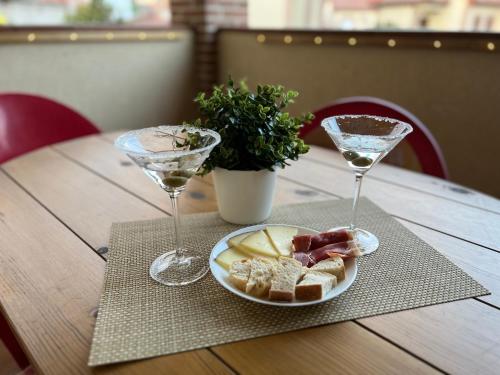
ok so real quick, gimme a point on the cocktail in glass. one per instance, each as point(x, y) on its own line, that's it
point(170, 156)
point(363, 141)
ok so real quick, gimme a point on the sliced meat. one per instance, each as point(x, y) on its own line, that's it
point(347, 249)
point(352, 251)
point(327, 238)
point(302, 258)
point(302, 243)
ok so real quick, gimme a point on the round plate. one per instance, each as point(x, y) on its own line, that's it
point(221, 275)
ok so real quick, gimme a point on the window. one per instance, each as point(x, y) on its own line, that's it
point(84, 12)
point(439, 15)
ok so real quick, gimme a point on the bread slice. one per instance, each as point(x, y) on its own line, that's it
point(288, 272)
point(261, 273)
point(315, 285)
point(334, 266)
point(239, 272)
point(281, 238)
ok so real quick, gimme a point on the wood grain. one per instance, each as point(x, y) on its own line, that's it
point(50, 282)
point(469, 348)
point(412, 180)
point(321, 350)
point(82, 200)
point(102, 158)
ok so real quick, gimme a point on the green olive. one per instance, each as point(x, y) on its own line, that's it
point(175, 181)
point(350, 155)
point(182, 173)
point(362, 162)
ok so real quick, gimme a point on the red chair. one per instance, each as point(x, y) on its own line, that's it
point(421, 140)
point(28, 122)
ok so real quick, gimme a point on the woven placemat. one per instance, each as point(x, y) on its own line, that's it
point(139, 318)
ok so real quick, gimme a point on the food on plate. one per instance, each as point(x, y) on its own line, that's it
point(287, 273)
point(302, 243)
point(239, 273)
point(227, 257)
point(347, 252)
point(309, 242)
point(236, 240)
point(303, 258)
point(281, 238)
point(261, 273)
point(258, 243)
point(334, 266)
point(315, 285)
point(277, 264)
point(342, 249)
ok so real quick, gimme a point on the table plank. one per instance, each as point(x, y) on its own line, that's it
point(64, 187)
point(410, 179)
point(50, 284)
point(102, 158)
point(469, 223)
point(310, 352)
point(468, 350)
point(99, 156)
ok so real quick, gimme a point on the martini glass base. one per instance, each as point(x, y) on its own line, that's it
point(170, 270)
point(367, 242)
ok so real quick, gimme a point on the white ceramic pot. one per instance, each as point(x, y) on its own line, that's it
point(244, 197)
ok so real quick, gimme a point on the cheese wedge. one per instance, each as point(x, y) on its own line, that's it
point(227, 257)
point(236, 240)
point(281, 239)
point(258, 244)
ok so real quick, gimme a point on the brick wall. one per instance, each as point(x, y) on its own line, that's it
point(205, 17)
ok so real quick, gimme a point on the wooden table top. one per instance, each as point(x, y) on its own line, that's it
point(56, 208)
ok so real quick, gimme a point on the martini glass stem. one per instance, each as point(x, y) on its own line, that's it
point(179, 248)
point(357, 189)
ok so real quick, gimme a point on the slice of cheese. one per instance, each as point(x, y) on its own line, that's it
point(227, 257)
point(258, 244)
point(236, 240)
point(281, 238)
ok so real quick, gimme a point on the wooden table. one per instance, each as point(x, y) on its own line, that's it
point(57, 205)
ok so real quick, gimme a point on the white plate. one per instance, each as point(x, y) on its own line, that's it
point(221, 275)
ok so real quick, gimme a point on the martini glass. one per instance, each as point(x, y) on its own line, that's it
point(363, 141)
point(168, 159)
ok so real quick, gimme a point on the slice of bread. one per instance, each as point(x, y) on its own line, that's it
point(334, 266)
point(239, 272)
point(315, 285)
point(262, 271)
point(288, 272)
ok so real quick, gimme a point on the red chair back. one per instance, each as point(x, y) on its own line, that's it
point(28, 122)
point(421, 140)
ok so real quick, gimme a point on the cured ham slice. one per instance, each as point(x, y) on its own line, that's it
point(307, 242)
point(302, 258)
point(327, 238)
point(302, 243)
point(345, 249)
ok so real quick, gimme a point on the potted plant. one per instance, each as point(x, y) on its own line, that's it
point(257, 137)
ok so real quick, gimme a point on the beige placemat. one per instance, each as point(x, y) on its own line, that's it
point(139, 318)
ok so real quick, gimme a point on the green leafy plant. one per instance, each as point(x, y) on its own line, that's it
point(95, 11)
point(255, 131)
